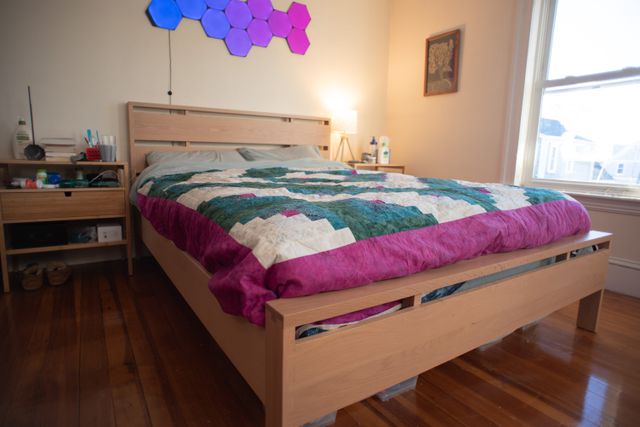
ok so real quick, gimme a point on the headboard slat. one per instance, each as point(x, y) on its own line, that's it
point(200, 127)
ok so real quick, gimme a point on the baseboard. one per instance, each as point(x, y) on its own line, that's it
point(626, 263)
point(624, 277)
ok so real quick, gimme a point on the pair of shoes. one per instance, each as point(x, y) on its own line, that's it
point(33, 275)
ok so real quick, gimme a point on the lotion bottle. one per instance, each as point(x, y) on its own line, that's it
point(22, 139)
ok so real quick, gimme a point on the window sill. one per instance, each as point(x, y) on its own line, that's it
point(610, 204)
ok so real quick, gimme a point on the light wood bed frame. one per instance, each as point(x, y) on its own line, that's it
point(302, 380)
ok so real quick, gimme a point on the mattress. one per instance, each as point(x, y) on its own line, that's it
point(267, 230)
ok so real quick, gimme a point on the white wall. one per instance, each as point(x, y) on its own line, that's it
point(454, 135)
point(85, 58)
point(624, 267)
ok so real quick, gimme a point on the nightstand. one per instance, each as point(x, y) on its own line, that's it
point(63, 207)
point(377, 166)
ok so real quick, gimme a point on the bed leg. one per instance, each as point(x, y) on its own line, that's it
point(589, 311)
point(279, 339)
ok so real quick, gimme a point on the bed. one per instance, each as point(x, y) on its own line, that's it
point(301, 380)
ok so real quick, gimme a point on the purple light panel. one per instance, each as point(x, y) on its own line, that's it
point(238, 42)
point(260, 9)
point(215, 24)
point(299, 15)
point(259, 33)
point(279, 23)
point(298, 41)
point(238, 14)
point(192, 9)
point(241, 24)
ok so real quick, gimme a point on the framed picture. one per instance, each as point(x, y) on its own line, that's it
point(441, 64)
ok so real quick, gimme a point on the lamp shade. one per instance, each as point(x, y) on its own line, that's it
point(345, 121)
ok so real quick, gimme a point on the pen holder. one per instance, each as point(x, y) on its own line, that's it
point(107, 152)
point(93, 154)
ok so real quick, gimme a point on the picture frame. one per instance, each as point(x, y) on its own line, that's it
point(442, 56)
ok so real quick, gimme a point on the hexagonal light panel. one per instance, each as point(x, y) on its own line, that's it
point(259, 33)
point(238, 14)
point(238, 42)
point(215, 24)
point(217, 4)
point(164, 14)
point(279, 23)
point(299, 15)
point(298, 41)
point(260, 9)
point(192, 9)
point(241, 23)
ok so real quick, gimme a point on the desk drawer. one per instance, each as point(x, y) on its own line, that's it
point(46, 205)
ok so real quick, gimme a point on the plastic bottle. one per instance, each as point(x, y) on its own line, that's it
point(383, 151)
point(373, 149)
point(41, 178)
point(21, 139)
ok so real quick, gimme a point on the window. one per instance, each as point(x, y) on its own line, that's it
point(581, 117)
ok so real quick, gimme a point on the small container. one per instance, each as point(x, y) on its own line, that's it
point(22, 139)
point(397, 389)
point(93, 154)
point(373, 147)
point(53, 178)
point(383, 152)
point(41, 178)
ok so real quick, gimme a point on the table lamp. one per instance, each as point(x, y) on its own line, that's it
point(345, 123)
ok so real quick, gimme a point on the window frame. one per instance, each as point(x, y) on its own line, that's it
point(537, 64)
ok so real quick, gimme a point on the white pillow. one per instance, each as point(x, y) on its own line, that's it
point(200, 156)
point(287, 153)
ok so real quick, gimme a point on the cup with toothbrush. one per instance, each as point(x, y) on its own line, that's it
point(93, 152)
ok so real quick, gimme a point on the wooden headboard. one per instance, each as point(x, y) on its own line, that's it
point(162, 127)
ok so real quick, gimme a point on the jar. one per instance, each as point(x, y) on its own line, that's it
point(41, 177)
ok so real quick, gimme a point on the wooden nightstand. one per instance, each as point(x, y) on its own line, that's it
point(64, 205)
point(377, 166)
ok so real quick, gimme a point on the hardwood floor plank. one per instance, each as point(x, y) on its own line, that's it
point(16, 326)
point(26, 395)
point(126, 390)
point(107, 350)
point(156, 391)
point(96, 405)
point(549, 386)
point(453, 407)
point(59, 376)
point(512, 390)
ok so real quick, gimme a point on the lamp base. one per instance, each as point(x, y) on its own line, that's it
point(344, 140)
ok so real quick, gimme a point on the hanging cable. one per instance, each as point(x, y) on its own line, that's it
point(170, 92)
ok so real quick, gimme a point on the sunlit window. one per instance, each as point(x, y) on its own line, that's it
point(584, 122)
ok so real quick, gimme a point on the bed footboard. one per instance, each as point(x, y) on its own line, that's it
point(310, 377)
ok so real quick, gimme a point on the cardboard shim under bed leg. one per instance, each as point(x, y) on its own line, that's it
point(325, 421)
point(397, 389)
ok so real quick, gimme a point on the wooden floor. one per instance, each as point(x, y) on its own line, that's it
point(108, 349)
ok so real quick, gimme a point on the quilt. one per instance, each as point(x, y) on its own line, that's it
point(282, 232)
